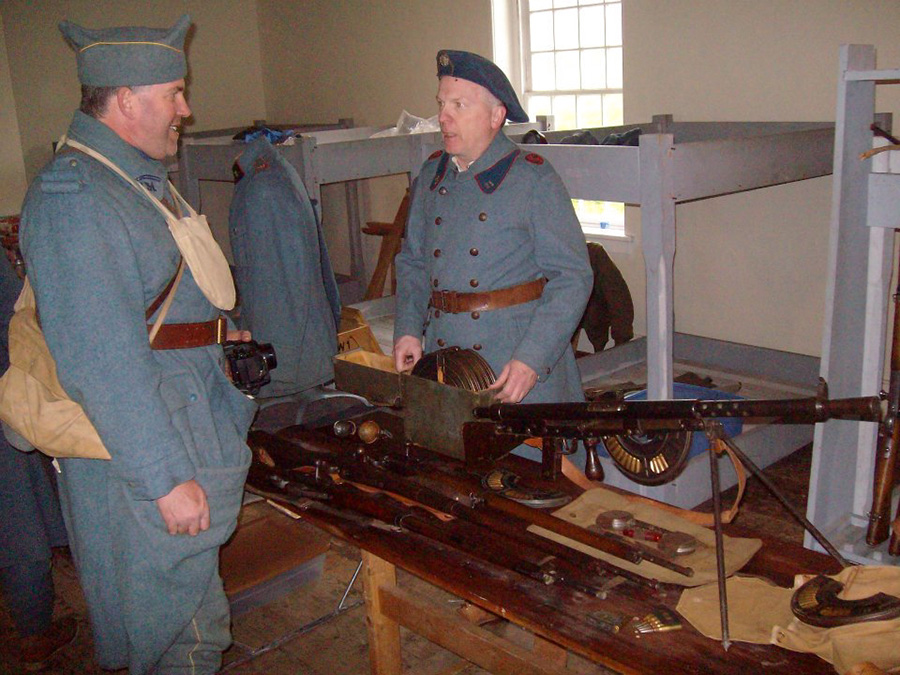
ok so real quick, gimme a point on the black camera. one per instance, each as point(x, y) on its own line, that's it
point(249, 364)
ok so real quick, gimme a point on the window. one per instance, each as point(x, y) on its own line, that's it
point(570, 66)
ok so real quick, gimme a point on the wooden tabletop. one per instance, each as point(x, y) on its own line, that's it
point(563, 615)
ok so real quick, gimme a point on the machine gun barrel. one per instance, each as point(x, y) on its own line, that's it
point(630, 416)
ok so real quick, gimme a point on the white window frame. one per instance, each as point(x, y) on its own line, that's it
point(511, 33)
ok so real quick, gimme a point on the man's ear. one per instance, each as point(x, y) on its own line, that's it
point(125, 101)
point(498, 116)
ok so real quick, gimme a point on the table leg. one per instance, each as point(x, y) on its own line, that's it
point(383, 632)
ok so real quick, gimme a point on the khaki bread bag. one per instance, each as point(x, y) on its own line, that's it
point(33, 402)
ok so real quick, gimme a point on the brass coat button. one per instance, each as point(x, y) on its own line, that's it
point(442, 191)
point(482, 217)
point(476, 315)
point(476, 347)
point(441, 342)
point(473, 251)
point(435, 283)
point(473, 283)
point(438, 220)
point(437, 253)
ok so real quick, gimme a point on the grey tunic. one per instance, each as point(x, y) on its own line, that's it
point(288, 293)
point(506, 220)
point(98, 253)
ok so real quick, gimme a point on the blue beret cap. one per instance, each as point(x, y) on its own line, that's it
point(128, 56)
point(477, 69)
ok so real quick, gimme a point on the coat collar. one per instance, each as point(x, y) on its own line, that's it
point(94, 134)
point(488, 171)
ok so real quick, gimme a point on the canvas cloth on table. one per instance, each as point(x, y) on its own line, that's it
point(584, 511)
point(759, 612)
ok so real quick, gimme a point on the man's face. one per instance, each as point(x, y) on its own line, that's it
point(159, 111)
point(468, 121)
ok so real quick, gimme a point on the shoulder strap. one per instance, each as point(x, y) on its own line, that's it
point(164, 293)
point(90, 152)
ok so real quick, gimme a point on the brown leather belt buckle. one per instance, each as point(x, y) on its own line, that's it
point(221, 330)
point(444, 301)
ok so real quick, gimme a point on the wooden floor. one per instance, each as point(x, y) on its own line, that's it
point(318, 640)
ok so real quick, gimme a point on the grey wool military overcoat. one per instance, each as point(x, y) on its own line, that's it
point(98, 254)
point(505, 221)
point(288, 294)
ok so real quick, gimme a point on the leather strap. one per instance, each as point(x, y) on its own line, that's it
point(163, 294)
point(189, 335)
point(459, 303)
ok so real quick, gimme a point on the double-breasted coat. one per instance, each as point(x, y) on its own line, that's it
point(286, 285)
point(505, 221)
point(98, 254)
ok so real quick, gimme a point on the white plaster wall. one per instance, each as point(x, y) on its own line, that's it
point(749, 267)
point(224, 79)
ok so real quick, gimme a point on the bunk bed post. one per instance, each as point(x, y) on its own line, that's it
point(853, 341)
point(658, 245)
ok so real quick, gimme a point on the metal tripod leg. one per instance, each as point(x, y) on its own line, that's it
point(799, 517)
point(713, 435)
point(305, 628)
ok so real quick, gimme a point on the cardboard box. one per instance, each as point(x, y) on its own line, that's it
point(355, 333)
point(370, 375)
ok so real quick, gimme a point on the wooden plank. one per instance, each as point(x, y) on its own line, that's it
point(549, 652)
point(383, 632)
point(493, 653)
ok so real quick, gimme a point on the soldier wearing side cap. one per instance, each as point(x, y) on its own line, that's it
point(494, 258)
point(145, 527)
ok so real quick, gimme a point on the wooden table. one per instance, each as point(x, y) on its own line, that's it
point(559, 617)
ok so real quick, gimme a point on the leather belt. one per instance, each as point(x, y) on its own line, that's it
point(458, 303)
point(189, 335)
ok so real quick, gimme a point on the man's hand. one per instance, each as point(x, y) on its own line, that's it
point(185, 509)
point(407, 352)
point(515, 381)
point(238, 336)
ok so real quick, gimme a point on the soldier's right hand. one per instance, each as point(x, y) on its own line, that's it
point(185, 509)
point(407, 352)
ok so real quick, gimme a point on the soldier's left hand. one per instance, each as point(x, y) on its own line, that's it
point(515, 381)
point(238, 336)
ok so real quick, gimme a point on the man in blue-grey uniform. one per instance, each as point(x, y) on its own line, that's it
point(145, 527)
point(494, 258)
point(289, 296)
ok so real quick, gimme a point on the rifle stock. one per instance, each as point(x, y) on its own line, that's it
point(886, 452)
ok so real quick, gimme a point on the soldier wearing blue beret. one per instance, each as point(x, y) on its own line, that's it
point(494, 258)
point(145, 527)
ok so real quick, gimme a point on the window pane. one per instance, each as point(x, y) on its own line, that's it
point(590, 2)
point(613, 110)
point(606, 218)
point(541, 31)
point(567, 70)
point(543, 72)
point(614, 24)
point(590, 26)
point(539, 105)
point(590, 111)
point(564, 3)
point(593, 69)
point(535, 5)
point(614, 68)
point(565, 28)
point(564, 110)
